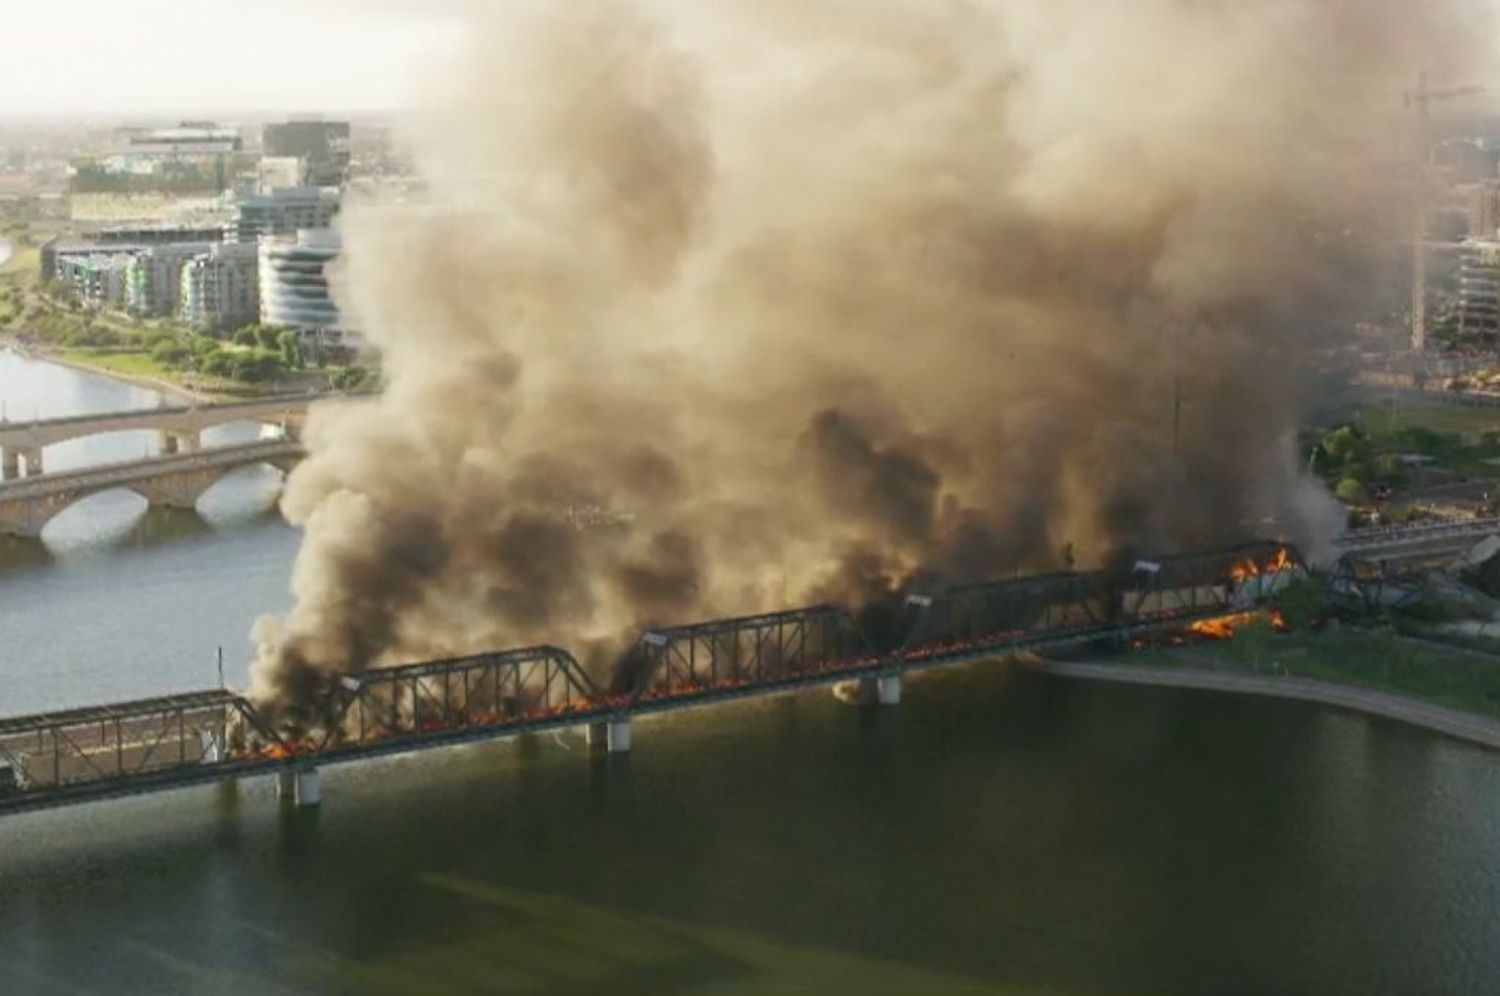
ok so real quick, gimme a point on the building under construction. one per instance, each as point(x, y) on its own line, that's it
point(1479, 289)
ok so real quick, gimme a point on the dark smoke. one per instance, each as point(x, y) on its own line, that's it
point(813, 300)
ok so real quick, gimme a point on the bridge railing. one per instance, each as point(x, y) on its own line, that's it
point(400, 707)
point(1375, 535)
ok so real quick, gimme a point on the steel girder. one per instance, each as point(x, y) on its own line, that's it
point(995, 614)
point(734, 653)
point(418, 701)
point(1019, 612)
point(1367, 587)
point(57, 751)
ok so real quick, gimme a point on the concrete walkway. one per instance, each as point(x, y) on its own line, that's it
point(1462, 725)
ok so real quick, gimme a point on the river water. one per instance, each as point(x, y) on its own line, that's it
point(999, 832)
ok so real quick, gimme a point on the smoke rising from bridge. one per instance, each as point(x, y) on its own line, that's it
point(824, 298)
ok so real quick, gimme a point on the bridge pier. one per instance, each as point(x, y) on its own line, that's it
point(33, 458)
point(10, 464)
point(613, 736)
point(173, 441)
point(308, 791)
point(179, 490)
point(299, 786)
point(884, 689)
point(888, 689)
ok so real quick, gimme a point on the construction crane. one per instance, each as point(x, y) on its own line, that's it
point(1421, 98)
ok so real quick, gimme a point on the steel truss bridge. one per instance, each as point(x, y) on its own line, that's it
point(62, 758)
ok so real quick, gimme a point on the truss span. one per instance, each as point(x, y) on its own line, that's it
point(60, 758)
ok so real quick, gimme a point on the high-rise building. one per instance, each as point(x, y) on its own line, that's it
point(219, 288)
point(323, 146)
point(284, 212)
point(1479, 288)
point(294, 281)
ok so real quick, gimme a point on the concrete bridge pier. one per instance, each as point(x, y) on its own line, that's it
point(181, 490)
point(10, 464)
point(33, 459)
point(173, 441)
point(884, 689)
point(299, 786)
point(613, 736)
point(888, 689)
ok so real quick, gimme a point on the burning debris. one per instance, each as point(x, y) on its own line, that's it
point(835, 302)
point(1224, 627)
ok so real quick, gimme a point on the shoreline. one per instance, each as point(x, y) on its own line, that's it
point(167, 387)
point(1468, 727)
point(134, 380)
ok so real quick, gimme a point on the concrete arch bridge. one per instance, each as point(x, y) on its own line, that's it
point(181, 427)
point(176, 480)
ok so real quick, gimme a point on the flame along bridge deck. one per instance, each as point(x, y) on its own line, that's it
point(108, 751)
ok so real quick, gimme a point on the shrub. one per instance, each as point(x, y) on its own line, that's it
point(1352, 491)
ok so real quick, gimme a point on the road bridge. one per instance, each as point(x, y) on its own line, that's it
point(1420, 540)
point(62, 758)
point(175, 481)
point(181, 426)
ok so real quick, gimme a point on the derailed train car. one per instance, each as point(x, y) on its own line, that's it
point(1107, 603)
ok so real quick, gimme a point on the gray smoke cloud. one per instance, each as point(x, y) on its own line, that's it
point(815, 299)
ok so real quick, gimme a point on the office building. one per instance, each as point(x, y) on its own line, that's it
point(284, 212)
point(294, 289)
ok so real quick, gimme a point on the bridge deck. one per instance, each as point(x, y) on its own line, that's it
point(130, 414)
point(129, 471)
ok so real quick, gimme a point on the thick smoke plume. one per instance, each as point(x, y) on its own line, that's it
point(713, 308)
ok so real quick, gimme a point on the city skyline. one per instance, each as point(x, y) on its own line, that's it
point(343, 56)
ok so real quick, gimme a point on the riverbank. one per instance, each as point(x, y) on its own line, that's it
point(1465, 726)
point(101, 365)
point(153, 383)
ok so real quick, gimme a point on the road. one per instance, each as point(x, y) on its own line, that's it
point(1461, 725)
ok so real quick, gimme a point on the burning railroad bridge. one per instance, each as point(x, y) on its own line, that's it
point(106, 751)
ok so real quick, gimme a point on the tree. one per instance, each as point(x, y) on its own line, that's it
point(246, 337)
point(170, 352)
point(1352, 491)
point(1303, 603)
point(291, 349)
point(269, 338)
point(1347, 447)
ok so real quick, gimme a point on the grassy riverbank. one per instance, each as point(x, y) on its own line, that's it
point(140, 368)
point(1376, 659)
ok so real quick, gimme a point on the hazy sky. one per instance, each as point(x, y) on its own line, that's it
point(179, 56)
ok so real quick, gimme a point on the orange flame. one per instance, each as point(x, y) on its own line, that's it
point(1223, 627)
